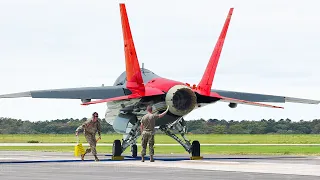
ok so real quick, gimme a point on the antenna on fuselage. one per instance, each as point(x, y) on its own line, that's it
point(142, 67)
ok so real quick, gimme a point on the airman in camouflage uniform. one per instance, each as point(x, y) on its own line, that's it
point(147, 132)
point(91, 127)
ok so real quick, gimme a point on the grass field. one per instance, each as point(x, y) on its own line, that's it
point(163, 139)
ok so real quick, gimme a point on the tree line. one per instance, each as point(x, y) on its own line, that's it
point(201, 126)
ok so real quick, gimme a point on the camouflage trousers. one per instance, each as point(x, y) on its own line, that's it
point(147, 138)
point(91, 139)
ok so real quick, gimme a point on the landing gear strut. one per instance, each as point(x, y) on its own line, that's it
point(131, 139)
point(179, 124)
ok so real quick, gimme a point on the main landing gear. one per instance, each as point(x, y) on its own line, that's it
point(180, 125)
point(130, 140)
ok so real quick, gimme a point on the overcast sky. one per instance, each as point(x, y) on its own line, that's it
point(271, 47)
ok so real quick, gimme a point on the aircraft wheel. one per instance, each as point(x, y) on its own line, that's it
point(134, 150)
point(116, 148)
point(195, 148)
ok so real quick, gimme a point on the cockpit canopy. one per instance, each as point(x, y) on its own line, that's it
point(147, 75)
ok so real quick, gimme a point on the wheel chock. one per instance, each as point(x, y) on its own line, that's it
point(196, 157)
point(117, 158)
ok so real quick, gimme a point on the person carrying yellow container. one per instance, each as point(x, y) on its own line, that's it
point(90, 128)
point(78, 149)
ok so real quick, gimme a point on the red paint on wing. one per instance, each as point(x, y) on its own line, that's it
point(163, 84)
point(149, 91)
point(131, 96)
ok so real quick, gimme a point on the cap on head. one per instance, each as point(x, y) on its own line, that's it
point(95, 114)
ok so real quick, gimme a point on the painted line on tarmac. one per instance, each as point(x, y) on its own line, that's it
point(107, 144)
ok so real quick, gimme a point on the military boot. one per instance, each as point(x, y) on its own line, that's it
point(82, 156)
point(96, 158)
point(151, 159)
point(142, 158)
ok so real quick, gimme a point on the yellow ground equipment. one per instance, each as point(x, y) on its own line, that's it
point(78, 149)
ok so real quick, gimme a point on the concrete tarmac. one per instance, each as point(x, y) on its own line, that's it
point(51, 165)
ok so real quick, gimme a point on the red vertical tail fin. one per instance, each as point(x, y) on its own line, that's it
point(205, 84)
point(134, 77)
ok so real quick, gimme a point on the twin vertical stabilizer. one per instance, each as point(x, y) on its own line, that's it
point(205, 84)
point(134, 77)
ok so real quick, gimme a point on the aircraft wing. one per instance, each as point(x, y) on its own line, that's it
point(253, 97)
point(102, 92)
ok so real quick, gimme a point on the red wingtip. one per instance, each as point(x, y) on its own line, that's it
point(206, 82)
point(134, 77)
